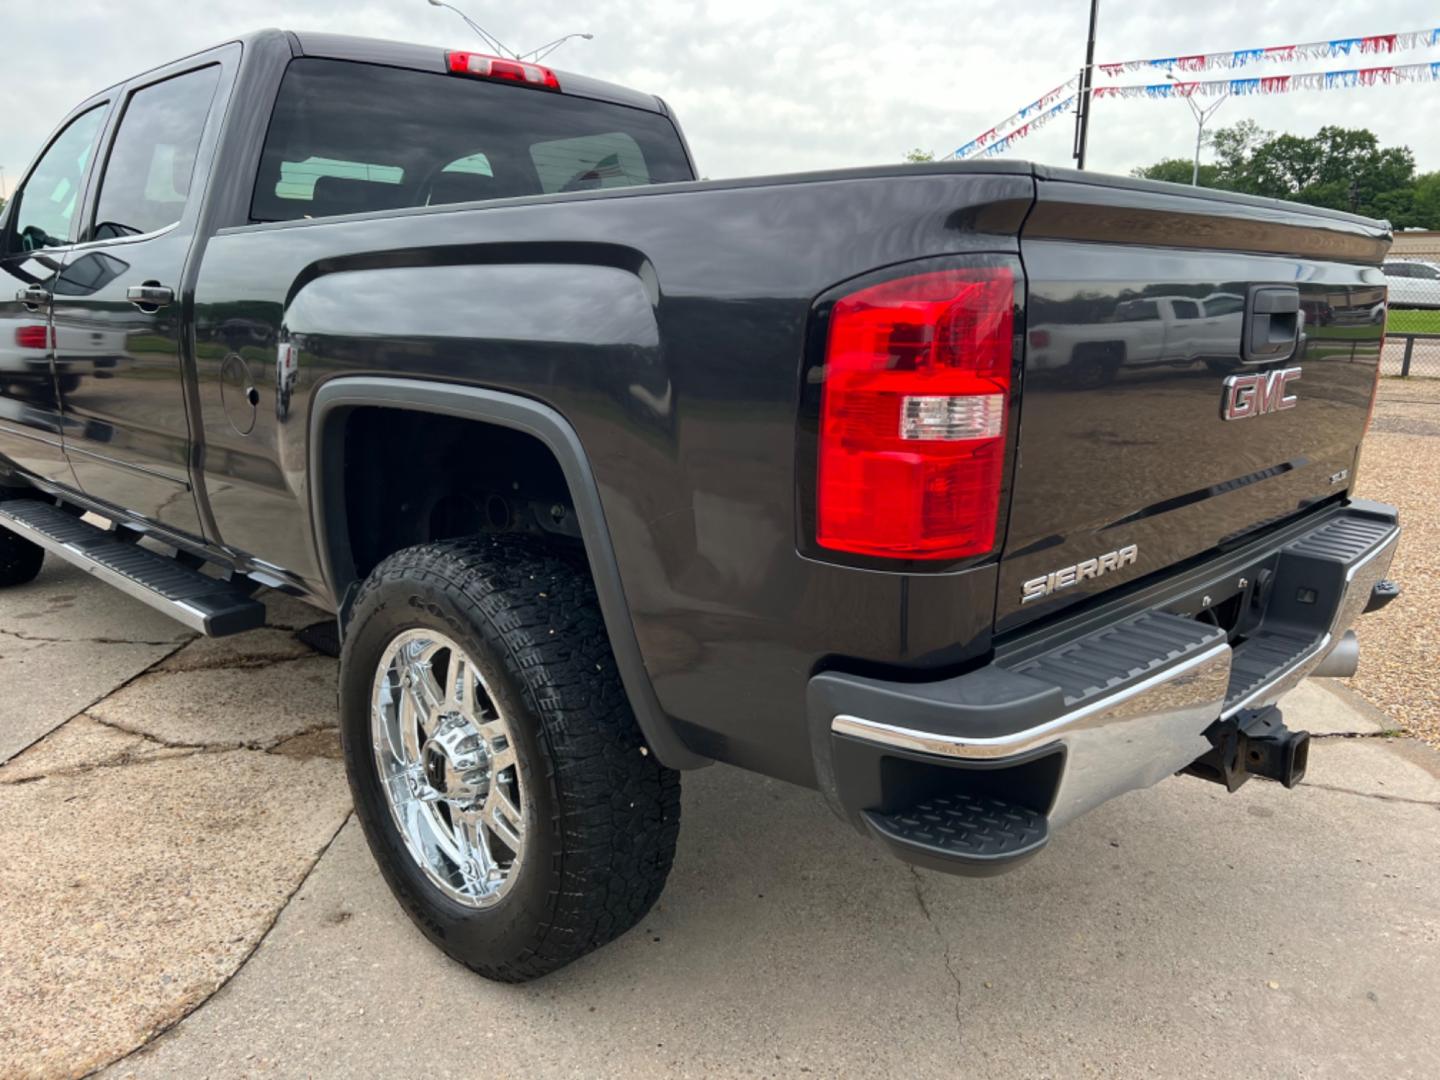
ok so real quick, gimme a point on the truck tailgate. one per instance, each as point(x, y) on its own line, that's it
point(1147, 306)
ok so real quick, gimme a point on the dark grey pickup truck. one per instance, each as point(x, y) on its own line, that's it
point(969, 495)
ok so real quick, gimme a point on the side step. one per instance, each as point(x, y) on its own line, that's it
point(946, 832)
point(211, 606)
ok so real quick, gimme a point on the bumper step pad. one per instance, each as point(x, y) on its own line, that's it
point(957, 828)
point(1116, 655)
point(1255, 662)
point(210, 605)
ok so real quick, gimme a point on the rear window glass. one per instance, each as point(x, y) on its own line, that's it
point(355, 138)
point(589, 162)
point(298, 178)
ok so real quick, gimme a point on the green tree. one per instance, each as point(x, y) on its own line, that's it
point(1426, 204)
point(1233, 147)
point(1341, 168)
point(1179, 171)
point(918, 156)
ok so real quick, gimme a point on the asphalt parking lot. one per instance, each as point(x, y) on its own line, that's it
point(185, 894)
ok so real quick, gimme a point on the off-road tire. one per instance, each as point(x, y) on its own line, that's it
point(602, 814)
point(20, 559)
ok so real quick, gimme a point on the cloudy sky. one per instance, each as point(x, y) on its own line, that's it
point(785, 85)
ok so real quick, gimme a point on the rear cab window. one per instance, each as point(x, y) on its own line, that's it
point(348, 137)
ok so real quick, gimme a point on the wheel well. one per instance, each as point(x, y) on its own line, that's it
point(412, 477)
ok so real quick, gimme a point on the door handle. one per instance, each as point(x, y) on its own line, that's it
point(150, 296)
point(1272, 322)
point(33, 296)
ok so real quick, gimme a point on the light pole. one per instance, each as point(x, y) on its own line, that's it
point(493, 42)
point(490, 39)
point(1201, 116)
point(545, 50)
point(1082, 98)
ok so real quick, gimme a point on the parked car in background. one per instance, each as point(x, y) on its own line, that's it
point(1413, 283)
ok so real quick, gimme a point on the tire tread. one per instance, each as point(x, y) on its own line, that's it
point(618, 813)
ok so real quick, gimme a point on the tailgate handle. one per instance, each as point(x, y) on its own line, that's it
point(1272, 322)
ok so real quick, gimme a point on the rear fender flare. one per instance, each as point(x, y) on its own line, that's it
point(335, 398)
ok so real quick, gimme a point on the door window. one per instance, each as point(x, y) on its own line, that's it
point(44, 213)
point(147, 177)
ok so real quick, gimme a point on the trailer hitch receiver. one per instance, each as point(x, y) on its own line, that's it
point(1254, 742)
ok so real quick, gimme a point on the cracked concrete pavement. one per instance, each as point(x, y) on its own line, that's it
point(184, 894)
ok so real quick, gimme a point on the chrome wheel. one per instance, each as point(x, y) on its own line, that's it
point(446, 761)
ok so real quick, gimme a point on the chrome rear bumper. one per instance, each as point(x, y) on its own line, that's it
point(1117, 708)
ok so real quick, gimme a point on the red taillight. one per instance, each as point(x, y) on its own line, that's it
point(32, 337)
point(496, 67)
point(912, 415)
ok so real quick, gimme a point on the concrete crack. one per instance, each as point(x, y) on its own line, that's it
point(264, 746)
point(945, 944)
point(91, 704)
point(125, 729)
point(234, 663)
point(1387, 733)
point(1373, 795)
point(20, 635)
point(120, 761)
point(166, 1028)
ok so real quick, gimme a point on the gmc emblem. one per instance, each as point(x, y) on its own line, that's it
point(1256, 395)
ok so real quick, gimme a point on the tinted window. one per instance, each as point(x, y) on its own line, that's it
point(1396, 269)
point(1420, 270)
point(147, 177)
point(589, 162)
point(1137, 311)
point(1224, 304)
point(45, 207)
point(1186, 309)
point(350, 138)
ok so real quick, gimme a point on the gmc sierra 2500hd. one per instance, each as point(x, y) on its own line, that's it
point(606, 480)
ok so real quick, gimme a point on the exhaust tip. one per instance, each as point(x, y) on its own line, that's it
point(1342, 660)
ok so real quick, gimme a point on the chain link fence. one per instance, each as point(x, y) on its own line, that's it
point(1412, 324)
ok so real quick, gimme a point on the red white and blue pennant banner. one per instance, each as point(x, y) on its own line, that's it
point(1283, 54)
point(1040, 111)
point(1000, 145)
point(1279, 84)
point(1042, 103)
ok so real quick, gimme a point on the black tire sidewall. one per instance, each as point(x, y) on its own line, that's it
point(515, 925)
point(20, 559)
